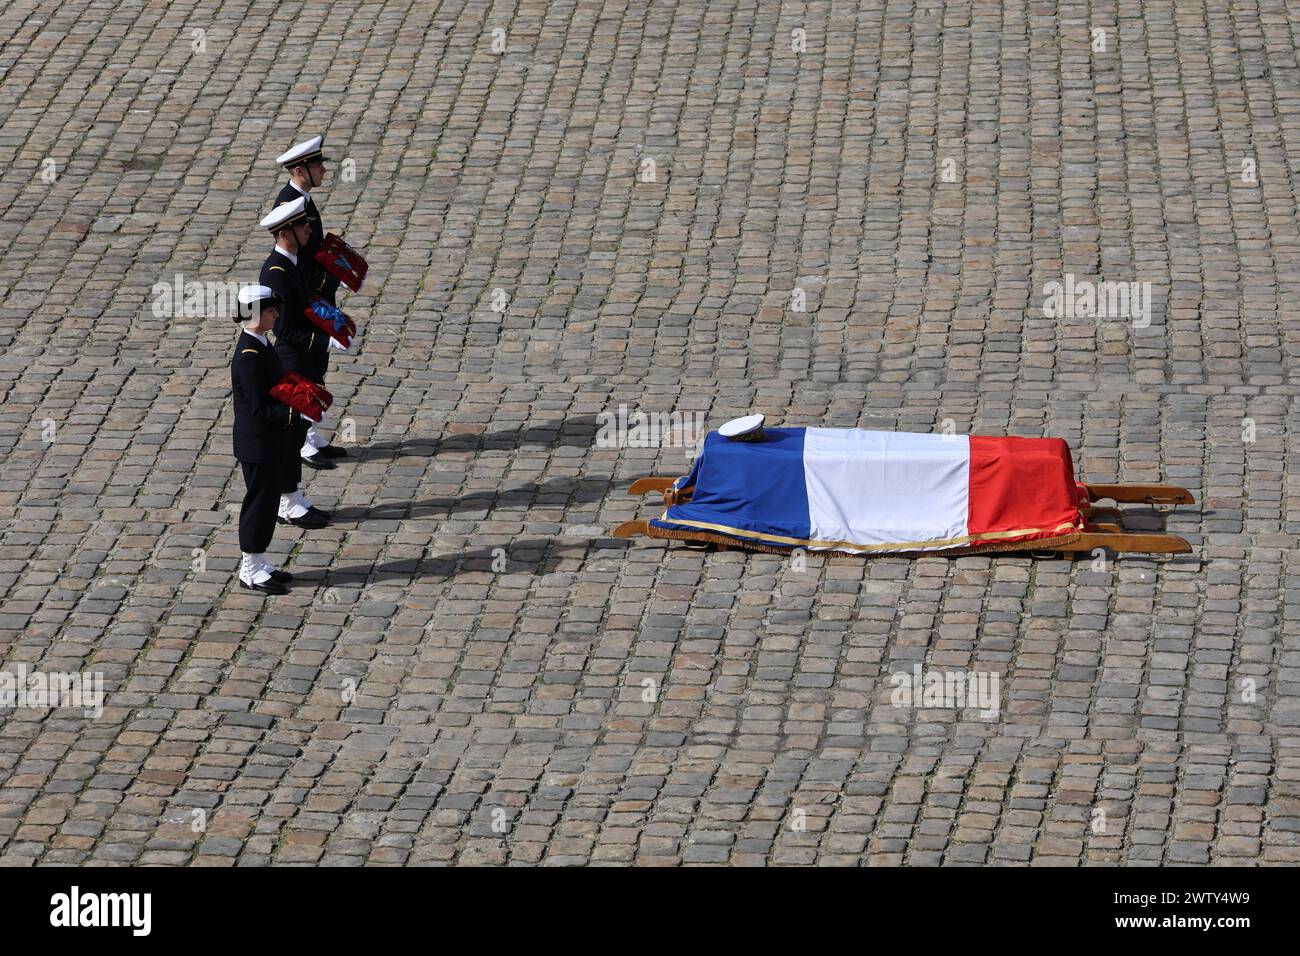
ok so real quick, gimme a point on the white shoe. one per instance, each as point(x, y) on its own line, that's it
point(293, 506)
point(253, 570)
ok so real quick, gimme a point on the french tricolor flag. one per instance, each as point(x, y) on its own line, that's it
point(849, 489)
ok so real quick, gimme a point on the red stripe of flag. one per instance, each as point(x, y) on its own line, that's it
point(1018, 484)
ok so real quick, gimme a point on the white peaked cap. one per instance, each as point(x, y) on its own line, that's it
point(285, 213)
point(251, 294)
point(302, 152)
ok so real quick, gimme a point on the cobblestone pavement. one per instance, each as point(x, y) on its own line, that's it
point(469, 669)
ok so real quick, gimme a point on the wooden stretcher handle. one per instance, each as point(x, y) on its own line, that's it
point(1129, 543)
point(1141, 494)
point(630, 529)
point(644, 486)
point(1106, 527)
point(672, 496)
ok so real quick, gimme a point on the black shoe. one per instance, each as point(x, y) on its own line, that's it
point(309, 521)
point(319, 512)
point(332, 451)
point(284, 577)
point(319, 462)
point(266, 587)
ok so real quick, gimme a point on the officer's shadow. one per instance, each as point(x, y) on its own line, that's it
point(529, 556)
point(574, 432)
point(552, 493)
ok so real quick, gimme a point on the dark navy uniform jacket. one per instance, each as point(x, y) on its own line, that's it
point(261, 422)
point(318, 279)
point(301, 345)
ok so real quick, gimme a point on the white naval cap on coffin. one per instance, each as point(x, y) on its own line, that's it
point(303, 152)
point(748, 428)
point(285, 214)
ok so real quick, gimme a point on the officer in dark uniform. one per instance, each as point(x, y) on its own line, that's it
point(305, 164)
point(300, 345)
point(262, 425)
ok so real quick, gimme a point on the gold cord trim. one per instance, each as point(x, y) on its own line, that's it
point(853, 547)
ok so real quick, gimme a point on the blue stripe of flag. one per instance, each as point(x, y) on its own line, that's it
point(750, 486)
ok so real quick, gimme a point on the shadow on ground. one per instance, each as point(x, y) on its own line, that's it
point(552, 493)
point(527, 556)
point(572, 432)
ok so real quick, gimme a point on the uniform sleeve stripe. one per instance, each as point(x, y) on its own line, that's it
point(246, 351)
point(277, 268)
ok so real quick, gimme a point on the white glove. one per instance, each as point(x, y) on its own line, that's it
point(336, 344)
point(308, 418)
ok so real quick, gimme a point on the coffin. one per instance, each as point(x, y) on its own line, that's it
point(865, 492)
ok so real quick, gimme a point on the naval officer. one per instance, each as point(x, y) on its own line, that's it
point(262, 425)
point(305, 164)
point(301, 346)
